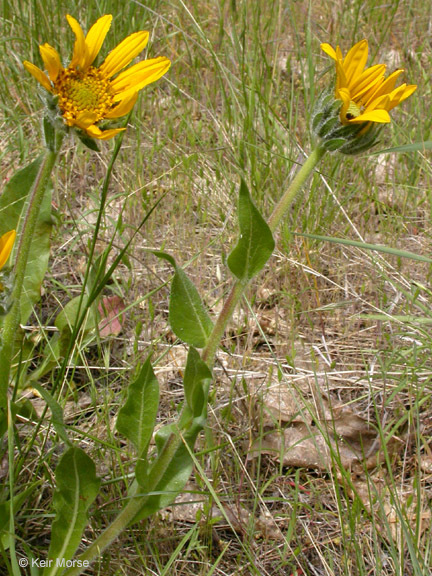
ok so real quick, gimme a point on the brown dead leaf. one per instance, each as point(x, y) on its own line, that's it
point(304, 446)
point(312, 432)
point(411, 515)
point(393, 507)
point(110, 309)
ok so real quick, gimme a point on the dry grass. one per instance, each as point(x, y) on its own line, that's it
point(329, 335)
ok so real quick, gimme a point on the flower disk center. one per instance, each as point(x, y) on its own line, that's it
point(80, 92)
point(353, 111)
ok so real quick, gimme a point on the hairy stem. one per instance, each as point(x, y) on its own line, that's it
point(237, 291)
point(136, 503)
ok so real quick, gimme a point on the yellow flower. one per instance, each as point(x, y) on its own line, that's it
point(6, 244)
point(366, 95)
point(86, 94)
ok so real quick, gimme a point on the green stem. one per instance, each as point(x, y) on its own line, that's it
point(237, 291)
point(295, 187)
point(12, 320)
point(135, 504)
point(226, 313)
point(132, 508)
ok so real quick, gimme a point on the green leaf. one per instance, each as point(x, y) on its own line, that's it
point(413, 147)
point(367, 246)
point(165, 256)
point(137, 418)
point(196, 382)
point(77, 488)
point(88, 142)
point(255, 245)
point(178, 470)
point(13, 202)
point(187, 314)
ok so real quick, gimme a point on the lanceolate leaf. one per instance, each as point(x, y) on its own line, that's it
point(180, 464)
point(137, 418)
point(187, 315)
point(77, 488)
point(255, 245)
point(177, 473)
point(12, 205)
point(196, 382)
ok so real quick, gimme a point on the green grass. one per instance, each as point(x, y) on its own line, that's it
point(340, 325)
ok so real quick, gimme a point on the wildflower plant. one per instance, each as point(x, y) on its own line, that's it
point(348, 118)
point(85, 99)
point(85, 95)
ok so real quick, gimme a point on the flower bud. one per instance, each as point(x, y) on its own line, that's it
point(335, 136)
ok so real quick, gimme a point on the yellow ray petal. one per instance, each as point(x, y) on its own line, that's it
point(123, 107)
point(386, 86)
point(124, 53)
point(341, 81)
point(355, 61)
point(80, 50)
point(95, 37)
point(401, 94)
point(96, 132)
point(51, 60)
point(138, 76)
point(6, 244)
point(40, 76)
point(380, 116)
point(368, 81)
point(85, 119)
point(344, 95)
point(329, 50)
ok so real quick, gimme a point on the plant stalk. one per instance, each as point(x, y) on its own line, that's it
point(135, 504)
point(12, 319)
point(131, 509)
point(237, 291)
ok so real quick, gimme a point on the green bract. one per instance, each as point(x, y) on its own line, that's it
point(334, 136)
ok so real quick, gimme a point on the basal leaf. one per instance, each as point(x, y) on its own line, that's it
point(255, 245)
point(177, 473)
point(77, 488)
point(137, 418)
point(192, 420)
point(13, 202)
point(187, 314)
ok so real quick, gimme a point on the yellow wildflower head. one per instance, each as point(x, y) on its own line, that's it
point(366, 95)
point(6, 245)
point(87, 95)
